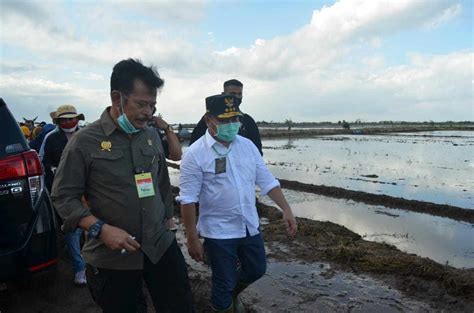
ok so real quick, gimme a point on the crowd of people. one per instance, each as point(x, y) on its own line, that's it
point(110, 180)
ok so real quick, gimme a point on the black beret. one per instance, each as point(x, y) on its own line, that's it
point(223, 106)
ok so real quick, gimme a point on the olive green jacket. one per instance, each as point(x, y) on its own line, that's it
point(100, 162)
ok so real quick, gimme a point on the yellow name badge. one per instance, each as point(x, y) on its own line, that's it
point(144, 184)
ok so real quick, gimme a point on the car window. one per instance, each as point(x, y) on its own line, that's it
point(12, 140)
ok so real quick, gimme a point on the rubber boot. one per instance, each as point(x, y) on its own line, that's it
point(238, 305)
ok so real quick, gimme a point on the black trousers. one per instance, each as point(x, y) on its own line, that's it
point(117, 291)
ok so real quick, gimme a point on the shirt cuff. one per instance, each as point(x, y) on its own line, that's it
point(71, 223)
point(183, 199)
point(267, 188)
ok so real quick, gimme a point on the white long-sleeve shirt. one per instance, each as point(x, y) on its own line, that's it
point(226, 200)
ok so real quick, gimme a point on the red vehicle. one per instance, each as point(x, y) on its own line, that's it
point(28, 226)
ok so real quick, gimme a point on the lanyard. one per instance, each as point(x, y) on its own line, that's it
point(220, 154)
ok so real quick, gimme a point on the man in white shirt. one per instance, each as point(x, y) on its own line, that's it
point(220, 171)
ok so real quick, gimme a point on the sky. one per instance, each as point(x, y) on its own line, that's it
point(371, 60)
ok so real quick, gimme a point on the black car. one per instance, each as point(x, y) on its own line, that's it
point(27, 219)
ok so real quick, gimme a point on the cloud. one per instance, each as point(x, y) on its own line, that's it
point(38, 97)
point(175, 11)
point(28, 9)
point(17, 67)
point(445, 16)
point(334, 32)
point(332, 68)
point(100, 36)
point(430, 87)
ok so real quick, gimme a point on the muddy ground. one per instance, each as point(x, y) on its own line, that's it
point(325, 268)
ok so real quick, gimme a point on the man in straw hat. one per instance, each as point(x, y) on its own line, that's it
point(67, 118)
point(118, 163)
point(220, 170)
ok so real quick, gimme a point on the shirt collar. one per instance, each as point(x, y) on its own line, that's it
point(107, 122)
point(211, 141)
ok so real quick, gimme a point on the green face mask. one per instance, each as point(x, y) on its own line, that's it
point(227, 132)
point(123, 121)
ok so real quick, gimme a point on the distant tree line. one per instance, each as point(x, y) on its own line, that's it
point(289, 123)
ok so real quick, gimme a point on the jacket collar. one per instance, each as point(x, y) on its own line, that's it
point(107, 122)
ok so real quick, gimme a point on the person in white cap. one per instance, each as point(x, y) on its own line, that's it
point(67, 119)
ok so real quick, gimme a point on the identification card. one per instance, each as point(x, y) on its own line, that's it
point(220, 165)
point(144, 184)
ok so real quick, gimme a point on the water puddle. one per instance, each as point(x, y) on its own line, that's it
point(433, 166)
point(440, 239)
point(291, 287)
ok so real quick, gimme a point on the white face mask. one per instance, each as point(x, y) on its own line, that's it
point(69, 130)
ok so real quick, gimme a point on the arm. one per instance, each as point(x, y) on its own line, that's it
point(41, 151)
point(69, 186)
point(190, 188)
point(46, 160)
point(277, 196)
point(174, 147)
point(195, 248)
point(271, 187)
point(115, 238)
point(47, 154)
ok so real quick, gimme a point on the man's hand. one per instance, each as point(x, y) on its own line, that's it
point(195, 249)
point(290, 223)
point(116, 238)
point(159, 122)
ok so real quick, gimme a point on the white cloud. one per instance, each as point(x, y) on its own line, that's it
point(330, 69)
point(333, 32)
point(445, 16)
point(176, 11)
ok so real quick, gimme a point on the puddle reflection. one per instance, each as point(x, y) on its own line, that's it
point(433, 166)
point(440, 239)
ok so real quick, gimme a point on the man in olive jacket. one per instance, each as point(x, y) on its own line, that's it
point(118, 164)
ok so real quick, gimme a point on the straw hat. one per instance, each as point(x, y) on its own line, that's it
point(66, 111)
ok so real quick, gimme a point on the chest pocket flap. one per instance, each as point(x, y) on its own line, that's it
point(106, 155)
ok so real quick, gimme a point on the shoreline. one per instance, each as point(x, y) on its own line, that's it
point(435, 209)
point(442, 210)
point(442, 287)
point(303, 273)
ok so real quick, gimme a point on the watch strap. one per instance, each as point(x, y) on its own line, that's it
point(95, 229)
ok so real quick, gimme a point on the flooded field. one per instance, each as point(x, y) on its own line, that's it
point(431, 166)
point(440, 239)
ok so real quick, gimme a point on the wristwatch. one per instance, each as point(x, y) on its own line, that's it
point(169, 128)
point(94, 229)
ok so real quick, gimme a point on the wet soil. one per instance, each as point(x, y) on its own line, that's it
point(442, 286)
point(326, 267)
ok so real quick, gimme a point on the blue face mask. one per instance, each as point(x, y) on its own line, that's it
point(227, 132)
point(123, 121)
